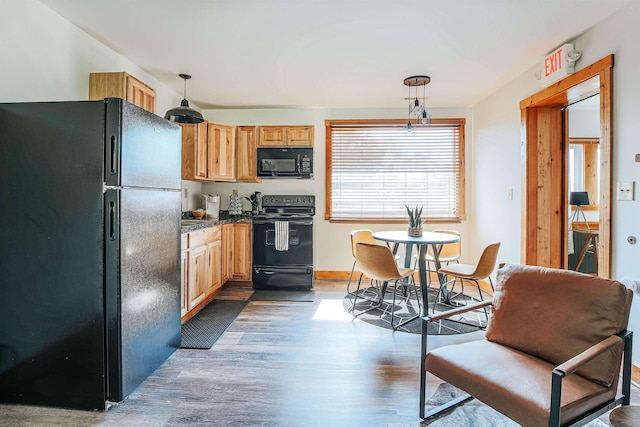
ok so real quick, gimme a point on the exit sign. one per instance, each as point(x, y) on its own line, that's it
point(555, 65)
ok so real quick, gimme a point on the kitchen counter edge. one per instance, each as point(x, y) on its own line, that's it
point(208, 223)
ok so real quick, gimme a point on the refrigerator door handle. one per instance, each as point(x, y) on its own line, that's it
point(114, 155)
point(112, 220)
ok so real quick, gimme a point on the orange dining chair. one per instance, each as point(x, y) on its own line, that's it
point(378, 263)
point(480, 271)
point(449, 253)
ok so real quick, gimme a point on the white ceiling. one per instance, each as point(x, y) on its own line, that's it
point(334, 53)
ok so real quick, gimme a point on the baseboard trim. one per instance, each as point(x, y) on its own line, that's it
point(344, 275)
point(332, 275)
point(635, 373)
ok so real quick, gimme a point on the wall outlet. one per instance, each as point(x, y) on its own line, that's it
point(625, 190)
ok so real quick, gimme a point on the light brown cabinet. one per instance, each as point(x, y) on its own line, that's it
point(242, 251)
point(208, 152)
point(196, 289)
point(122, 85)
point(194, 152)
point(227, 251)
point(184, 275)
point(214, 263)
point(201, 276)
point(221, 152)
point(246, 144)
point(290, 136)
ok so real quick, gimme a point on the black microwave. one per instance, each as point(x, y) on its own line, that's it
point(285, 162)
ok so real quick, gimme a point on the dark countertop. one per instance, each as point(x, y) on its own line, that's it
point(198, 224)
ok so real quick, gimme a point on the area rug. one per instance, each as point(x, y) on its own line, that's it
point(274, 295)
point(381, 316)
point(471, 413)
point(204, 329)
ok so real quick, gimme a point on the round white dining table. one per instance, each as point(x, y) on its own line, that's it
point(436, 240)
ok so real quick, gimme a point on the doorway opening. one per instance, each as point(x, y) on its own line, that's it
point(545, 213)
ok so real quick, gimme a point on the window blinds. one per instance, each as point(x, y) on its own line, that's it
point(375, 169)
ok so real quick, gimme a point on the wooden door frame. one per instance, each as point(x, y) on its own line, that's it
point(544, 159)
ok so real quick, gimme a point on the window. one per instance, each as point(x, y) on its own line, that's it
point(375, 167)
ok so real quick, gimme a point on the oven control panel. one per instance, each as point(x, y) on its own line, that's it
point(293, 201)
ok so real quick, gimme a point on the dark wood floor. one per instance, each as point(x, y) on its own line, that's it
point(278, 364)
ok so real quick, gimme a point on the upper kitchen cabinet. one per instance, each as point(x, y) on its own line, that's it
point(221, 152)
point(208, 152)
point(246, 143)
point(122, 85)
point(194, 152)
point(290, 136)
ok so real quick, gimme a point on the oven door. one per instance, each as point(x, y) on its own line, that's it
point(297, 250)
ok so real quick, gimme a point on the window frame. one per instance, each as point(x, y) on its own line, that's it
point(458, 122)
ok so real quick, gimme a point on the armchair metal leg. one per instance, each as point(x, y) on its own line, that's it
point(423, 382)
point(423, 367)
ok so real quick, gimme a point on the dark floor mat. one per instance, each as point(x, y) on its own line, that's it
point(203, 330)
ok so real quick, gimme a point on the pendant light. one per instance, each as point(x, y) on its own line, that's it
point(184, 113)
point(416, 108)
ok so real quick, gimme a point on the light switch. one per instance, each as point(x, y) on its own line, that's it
point(625, 190)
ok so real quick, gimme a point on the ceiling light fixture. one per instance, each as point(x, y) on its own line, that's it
point(417, 109)
point(184, 113)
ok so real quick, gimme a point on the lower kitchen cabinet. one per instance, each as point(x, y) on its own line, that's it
point(242, 248)
point(196, 289)
point(214, 264)
point(227, 252)
point(201, 268)
point(184, 278)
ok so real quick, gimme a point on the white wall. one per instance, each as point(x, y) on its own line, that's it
point(497, 138)
point(332, 244)
point(46, 58)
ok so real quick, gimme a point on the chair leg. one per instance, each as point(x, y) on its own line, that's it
point(486, 313)
point(350, 277)
point(355, 295)
point(411, 283)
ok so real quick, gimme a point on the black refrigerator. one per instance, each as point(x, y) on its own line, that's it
point(90, 207)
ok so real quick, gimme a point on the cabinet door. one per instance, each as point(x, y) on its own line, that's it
point(184, 282)
point(301, 136)
point(227, 252)
point(242, 251)
point(122, 85)
point(197, 275)
point(214, 260)
point(246, 143)
point(140, 94)
point(221, 156)
point(194, 152)
point(271, 136)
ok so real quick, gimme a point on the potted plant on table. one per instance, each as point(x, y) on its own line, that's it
point(415, 221)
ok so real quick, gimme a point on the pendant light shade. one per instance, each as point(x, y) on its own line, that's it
point(184, 113)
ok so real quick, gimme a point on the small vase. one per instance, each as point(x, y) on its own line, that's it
point(415, 231)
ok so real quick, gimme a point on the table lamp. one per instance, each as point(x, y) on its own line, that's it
point(577, 199)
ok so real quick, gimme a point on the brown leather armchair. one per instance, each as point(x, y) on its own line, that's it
point(552, 350)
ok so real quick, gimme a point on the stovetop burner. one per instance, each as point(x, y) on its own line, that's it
point(288, 206)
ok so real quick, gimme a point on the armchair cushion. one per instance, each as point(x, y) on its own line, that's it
point(512, 382)
point(555, 314)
